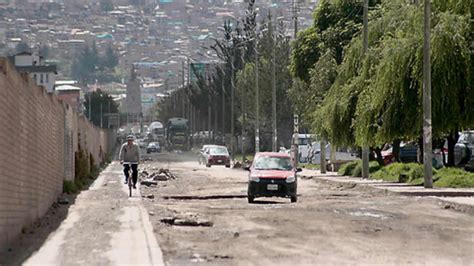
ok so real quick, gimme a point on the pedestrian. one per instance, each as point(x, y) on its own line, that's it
point(130, 157)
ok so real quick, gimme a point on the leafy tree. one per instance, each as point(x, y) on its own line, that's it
point(111, 59)
point(22, 47)
point(335, 23)
point(377, 98)
point(100, 102)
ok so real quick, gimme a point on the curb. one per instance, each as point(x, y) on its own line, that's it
point(460, 207)
point(443, 197)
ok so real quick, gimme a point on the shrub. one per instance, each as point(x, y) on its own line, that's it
point(453, 177)
point(69, 187)
point(354, 168)
point(405, 172)
point(347, 168)
point(373, 167)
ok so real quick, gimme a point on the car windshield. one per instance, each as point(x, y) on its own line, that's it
point(273, 163)
point(218, 151)
point(304, 141)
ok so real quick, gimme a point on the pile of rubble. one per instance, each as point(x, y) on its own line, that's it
point(187, 219)
point(242, 165)
point(154, 177)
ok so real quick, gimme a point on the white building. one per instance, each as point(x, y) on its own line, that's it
point(43, 75)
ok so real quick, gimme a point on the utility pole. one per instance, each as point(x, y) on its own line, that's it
point(108, 115)
point(365, 149)
point(427, 127)
point(257, 99)
point(101, 124)
point(295, 16)
point(243, 107)
point(232, 87)
point(209, 110)
point(274, 115)
point(223, 101)
point(183, 86)
point(90, 105)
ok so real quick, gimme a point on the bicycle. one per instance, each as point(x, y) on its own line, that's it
point(130, 177)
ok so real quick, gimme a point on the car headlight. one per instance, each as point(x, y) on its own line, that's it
point(254, 178)
point(290, 179)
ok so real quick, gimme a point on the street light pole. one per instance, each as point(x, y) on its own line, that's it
point(90, 105)
point(257, 100)
point(274, 115)
point(223, 101)
point(243, 107)
point(365, 148)
point(101, 125)
point(232, 87)
point(427, 127)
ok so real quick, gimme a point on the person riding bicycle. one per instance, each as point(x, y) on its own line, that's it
point(130, 156)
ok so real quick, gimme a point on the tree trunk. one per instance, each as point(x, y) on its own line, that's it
point(396, 150)
point(452, 139)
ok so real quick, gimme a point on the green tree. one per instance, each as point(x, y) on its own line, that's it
point(100, 104)
point(377, 98)
point(22, 47)
point(110, 59)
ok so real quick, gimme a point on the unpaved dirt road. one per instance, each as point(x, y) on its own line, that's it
point(329, 225)
point(103, 227)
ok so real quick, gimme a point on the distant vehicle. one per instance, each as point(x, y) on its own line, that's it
point(304, 146)
point(153, 147)
point(408, 153)
point(202, 153)
point(217, 155)
point(464, 150)
point(141, 143)
point(272, 175)
point(156, 132)
point(177, 134)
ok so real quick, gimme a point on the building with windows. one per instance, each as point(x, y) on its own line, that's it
point(43, 75)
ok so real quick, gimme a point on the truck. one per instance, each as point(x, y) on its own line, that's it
point(156, 133)
point(177, 134)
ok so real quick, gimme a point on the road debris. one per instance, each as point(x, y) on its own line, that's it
point(151, 178)
point(187, 220)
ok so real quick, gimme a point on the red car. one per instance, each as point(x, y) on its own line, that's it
point(272, 175)
point(217, 155)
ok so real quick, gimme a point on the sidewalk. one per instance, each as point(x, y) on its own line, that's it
point(103, 227)
point(457, 198)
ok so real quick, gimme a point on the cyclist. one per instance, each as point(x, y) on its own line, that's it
point(130, 154)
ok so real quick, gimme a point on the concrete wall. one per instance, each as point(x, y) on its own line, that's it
point(38, 138)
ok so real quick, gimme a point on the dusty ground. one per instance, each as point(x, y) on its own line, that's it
point(104, 226)
point(330, 224)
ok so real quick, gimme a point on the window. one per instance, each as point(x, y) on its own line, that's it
point(47, 78)
point(35, 77)
point(41, 78)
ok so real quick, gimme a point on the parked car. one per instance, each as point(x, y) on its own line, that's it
point(408, 153)
point(464, 149)
point(141, 143)
point(153, 147)
point(217, 155)
point(272, 175)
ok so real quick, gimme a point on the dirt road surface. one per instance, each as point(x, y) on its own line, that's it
point(103, 227)
point(329, 225)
